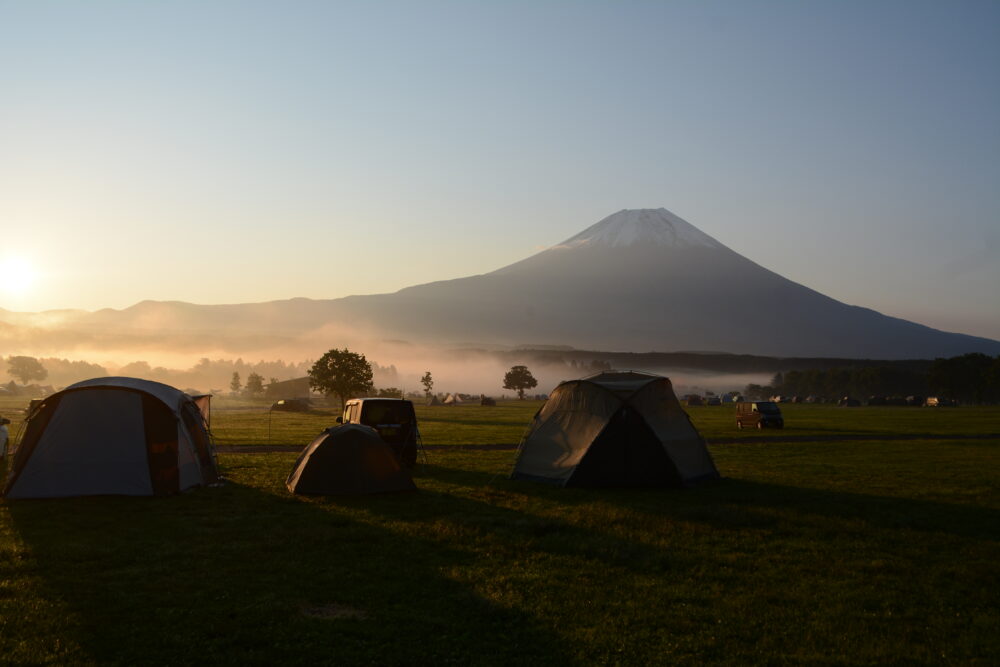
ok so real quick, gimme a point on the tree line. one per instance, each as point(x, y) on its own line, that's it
point(969, 378)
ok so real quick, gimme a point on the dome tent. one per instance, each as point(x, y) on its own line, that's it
point(616, 428)
point(348, 460)
point(112, 436)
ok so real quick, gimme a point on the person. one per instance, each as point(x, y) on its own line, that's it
point(4, 436)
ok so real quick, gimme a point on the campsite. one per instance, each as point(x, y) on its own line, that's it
point(500, 333)
point(861, 535)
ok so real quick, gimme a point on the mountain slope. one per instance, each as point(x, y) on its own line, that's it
point(648, 280)
point(640, 280)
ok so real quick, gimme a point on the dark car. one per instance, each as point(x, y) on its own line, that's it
point(393, 418)
point(759, 414)
point(292, 405)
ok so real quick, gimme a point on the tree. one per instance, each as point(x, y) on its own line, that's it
point(255, 384)
point(343, 373)
point(428, 383)
point(597, 365)
point(966, 378)
point(390, 392)
point(26, 369)
point(235, 384)
point(519, 378)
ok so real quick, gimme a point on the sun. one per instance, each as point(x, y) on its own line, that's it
point(17, 275)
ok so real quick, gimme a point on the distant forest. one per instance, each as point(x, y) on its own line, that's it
point(970, 379)
point(714, 362)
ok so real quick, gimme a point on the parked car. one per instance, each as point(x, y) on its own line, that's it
point(393, 418)
point(759, 414)
point(292, 405)
point(938, 402)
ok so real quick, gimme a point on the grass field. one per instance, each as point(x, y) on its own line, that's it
point(242, 422)
point(848, 546)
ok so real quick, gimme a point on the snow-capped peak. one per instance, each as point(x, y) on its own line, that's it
point(645, 226)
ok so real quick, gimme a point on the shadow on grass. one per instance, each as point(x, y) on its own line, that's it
point(731, 502)
point(241, 575)
point(474, 422)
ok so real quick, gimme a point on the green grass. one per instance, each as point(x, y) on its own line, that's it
point(438, 425)
point(506, 423)
point(832, 421)
point(829, 551)
point(243, 422)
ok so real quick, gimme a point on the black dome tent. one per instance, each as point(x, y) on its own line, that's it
point(348, 460)
point(616, 428)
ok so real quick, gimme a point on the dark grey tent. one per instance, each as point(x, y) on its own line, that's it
point(617, 428)
point(348, 460)
point(112, 436)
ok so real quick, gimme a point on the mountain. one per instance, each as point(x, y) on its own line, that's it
point(649, 280)
point(638, 280)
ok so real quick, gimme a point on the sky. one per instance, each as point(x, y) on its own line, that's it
point(240, 151)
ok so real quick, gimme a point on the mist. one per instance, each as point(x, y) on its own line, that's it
point(395, 364)
point(170, 350)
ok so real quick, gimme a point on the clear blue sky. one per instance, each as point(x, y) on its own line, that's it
point(220, 152)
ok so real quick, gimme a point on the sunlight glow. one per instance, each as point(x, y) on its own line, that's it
point(17, 276)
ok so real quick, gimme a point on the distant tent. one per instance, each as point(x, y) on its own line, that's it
point(433, 400)
point(348, 460)
point(112, 436)
point(616, 428)
point(453, 399)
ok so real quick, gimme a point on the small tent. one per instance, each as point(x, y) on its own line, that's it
point(615, 428)
point(112, 436)
point(348, 460)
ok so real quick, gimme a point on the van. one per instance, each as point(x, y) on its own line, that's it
point(393, 418)
point(759, 415)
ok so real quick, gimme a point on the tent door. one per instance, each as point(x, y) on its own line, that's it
point(626, 453)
